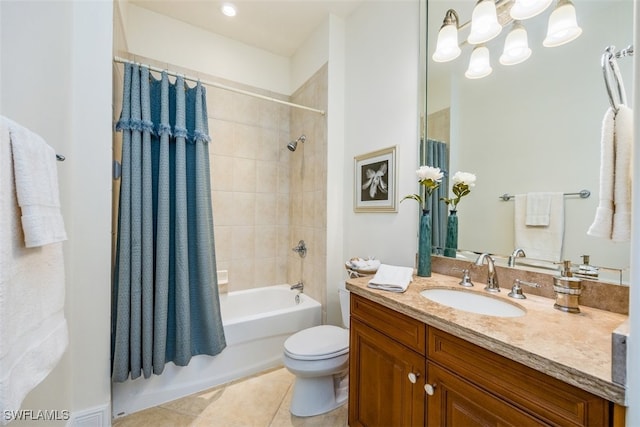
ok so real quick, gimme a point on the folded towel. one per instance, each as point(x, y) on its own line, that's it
point(36, 180)
point(33, 329)
point(603, 222)
point(392, 278)
point(540, 242)
point(623, 141)
point(538, 209)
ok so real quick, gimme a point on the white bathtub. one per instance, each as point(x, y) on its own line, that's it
point(256, 324)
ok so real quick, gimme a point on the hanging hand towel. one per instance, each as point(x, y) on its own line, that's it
point(623, 141)
point(540, 242)
point(538, 209)
point(36, 178)
point(33, 329)
point(392, 278)
point(603, 221)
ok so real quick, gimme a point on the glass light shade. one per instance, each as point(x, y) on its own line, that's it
point(447, 48)
point(484, 22)
point(563, 26)
point(525, 9)
point(479, 65)
point(516, 46)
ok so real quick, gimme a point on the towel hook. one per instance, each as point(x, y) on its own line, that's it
point(609, 67)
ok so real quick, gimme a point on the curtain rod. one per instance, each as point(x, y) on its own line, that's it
point(220, 86)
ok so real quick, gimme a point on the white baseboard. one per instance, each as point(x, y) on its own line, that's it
point(98, 416)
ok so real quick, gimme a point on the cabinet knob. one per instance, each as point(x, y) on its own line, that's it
point(413, 377)
point(430, 389)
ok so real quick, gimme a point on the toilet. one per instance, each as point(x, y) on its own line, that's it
point(319, 358)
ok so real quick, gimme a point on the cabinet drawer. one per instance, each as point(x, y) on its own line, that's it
point(549, 399)
point(402, 328)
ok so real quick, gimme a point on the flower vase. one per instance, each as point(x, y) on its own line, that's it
point(451, 244)
point(424, 245)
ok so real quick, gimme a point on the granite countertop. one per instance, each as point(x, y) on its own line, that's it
point(575, 348)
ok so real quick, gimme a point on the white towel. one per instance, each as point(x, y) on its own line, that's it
point(538, 209)
point(540, 242)
point(33, 330)
point(623, 141)
point(36, 177)
point(392, 278)
point(603, 222)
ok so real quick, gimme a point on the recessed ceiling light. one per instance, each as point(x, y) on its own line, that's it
point(228, 9)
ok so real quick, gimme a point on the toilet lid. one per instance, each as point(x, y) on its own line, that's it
point(319, 342)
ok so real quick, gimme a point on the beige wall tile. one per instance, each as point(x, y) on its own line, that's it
point(242, 209)
point(223, 207)
point(244, 175)
point(221, 173)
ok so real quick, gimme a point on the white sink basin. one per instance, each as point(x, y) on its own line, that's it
point(473, 302)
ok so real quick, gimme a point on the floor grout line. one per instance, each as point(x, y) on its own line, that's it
point(284, 398)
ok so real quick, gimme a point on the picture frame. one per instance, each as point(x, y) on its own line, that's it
point(375, 181)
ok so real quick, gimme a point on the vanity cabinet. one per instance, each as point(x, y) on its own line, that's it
point(386, 376)
point(393, 357)
point(474, 382)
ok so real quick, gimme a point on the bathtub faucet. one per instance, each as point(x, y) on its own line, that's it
point(298, 286)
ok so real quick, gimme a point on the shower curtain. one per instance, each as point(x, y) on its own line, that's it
point(165, 305)
point(437, 156)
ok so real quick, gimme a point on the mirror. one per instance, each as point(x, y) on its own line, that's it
point(531, 127)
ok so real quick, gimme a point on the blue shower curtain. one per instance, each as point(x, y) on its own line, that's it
point(436, 155)
point(165, 305)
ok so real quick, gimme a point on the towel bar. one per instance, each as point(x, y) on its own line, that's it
point(582, 193)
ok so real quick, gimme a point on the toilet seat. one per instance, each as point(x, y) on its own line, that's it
point(317, 343)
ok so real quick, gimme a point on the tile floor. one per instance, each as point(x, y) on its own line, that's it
point(258, 401)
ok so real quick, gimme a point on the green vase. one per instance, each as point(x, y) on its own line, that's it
point(451, 244)
point(424, 245)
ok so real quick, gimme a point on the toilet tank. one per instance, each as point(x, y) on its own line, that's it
point(345, 308)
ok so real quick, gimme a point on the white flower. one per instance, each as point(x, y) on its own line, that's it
point(464, 178)
point(428, 172)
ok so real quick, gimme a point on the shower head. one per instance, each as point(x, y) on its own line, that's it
point(294, 144)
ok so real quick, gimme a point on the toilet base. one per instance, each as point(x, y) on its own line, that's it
point(318, 395)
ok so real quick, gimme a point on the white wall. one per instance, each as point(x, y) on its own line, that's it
point(633, 355)
point(381, 110)
point(56, 80)
point(335, 167)
point(168, 40)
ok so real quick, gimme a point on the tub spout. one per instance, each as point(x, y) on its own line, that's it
point(298, 286)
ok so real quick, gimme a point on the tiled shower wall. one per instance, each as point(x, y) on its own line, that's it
point(265, 198)
point(250, 187)
point(308, 187)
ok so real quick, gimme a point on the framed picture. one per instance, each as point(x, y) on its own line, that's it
point(375, 181)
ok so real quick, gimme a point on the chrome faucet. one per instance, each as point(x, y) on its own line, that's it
point(298, 286)
point(516, 253)
point(492, 278)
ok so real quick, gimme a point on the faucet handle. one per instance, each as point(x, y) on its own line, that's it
point(516, 290)
point(466, 280)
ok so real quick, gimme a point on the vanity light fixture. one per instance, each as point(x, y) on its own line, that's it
point(525, 9)
point(479, 64)
point(484, 22)
point(516, 46)
point(447, 48)
point(228, 9)
point(485, 26)
point(563, 25)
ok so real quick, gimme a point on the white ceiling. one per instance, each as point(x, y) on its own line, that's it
point(278, 26)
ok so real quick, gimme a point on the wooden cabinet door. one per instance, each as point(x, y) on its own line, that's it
point(380, 390)
point(458, 403)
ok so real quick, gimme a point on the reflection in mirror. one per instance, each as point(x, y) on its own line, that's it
point(530, 127)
